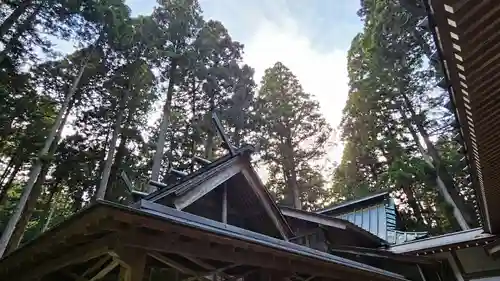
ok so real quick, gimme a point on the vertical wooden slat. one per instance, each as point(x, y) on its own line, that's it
point(224, 203)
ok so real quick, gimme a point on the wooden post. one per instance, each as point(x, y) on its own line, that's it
point(134, 262)
point(224, 203)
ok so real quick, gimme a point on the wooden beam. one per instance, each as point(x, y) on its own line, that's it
point(213, 273)
point(107, 269)
point(124, 274)
point(133, 262)
point(207, 185)
point(74, 276)
point(224, 203)
point(195, 181)
point(96, 266)
point(128, 183)
point(247, 257)
point(201, 160)
point(320, 219)
point(220, 130)
point(259, 189)
point(79, 254)
point(176, 265)
point(46, 242)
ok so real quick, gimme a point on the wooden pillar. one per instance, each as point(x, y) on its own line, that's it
point(133, 264)
point(224, 203)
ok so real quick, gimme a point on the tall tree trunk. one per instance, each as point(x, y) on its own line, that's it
point(37, 166)
point(446, 189)
point(6, 187)
point(7, 171)
point(20, 228)
point(47, 205)
point(120, 152)
point(292, 170)
point(160, 144)
point(101, 192)
point(14, 17)
point(446, 182)
point(52, 208)
point(412, 202)
point(209, 144)
point(27, 24)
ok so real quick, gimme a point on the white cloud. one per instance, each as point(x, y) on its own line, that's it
point(324, 75)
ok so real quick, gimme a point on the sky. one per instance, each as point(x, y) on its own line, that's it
point(310, 37)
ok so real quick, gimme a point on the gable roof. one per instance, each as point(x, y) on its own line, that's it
point(165, 222)
point(370, 199)
point(340, 230)
point(246, 185)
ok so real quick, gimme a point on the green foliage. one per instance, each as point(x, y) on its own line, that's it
point(128, 66)
point(391, 109)
point(292, 136)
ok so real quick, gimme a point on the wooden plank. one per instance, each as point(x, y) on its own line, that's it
point(259, 190)
point(336, 223)
point(220, 130)
point(206, 186)
point(195, 180)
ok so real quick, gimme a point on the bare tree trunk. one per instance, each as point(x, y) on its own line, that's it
point(444, 189)
point(47, 205)
point(20, 228)
point(6, 171)
point(37, 166)
point(27, 24)
point(101, 192)
point(120, 152)
point(297, 204)
point(160, 144)
point(292, 169)
point(49, 217)
point(412, 201)
point(209, 143)
point(445, 181)
point(6, 187)
point(14, 17)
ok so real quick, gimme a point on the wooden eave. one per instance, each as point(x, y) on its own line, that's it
point(337, 229)
point(444, 243)
point(107, 228)
point(387, 255)
point(356, 203)
point(468, 39)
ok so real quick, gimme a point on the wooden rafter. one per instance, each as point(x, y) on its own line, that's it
point(176, 265)
point(79, 254)
point(107, 269)
point(96, 266)
point(219, 271)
